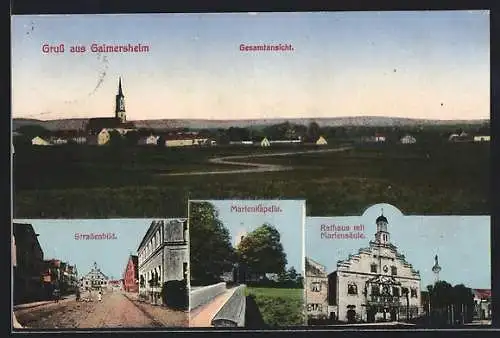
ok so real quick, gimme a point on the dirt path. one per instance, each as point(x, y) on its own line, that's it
point(117, 311)
point(254, 167)
point(114, 311)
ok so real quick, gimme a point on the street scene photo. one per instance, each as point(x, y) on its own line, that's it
point(391, 270)
point(246, 263)
point(100, 273)
point(342, 109)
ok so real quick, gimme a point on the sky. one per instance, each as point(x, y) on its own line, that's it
point(289, 221)
point(425, 64)
point(462, 243)
point(57, 239)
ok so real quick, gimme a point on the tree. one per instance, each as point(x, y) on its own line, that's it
point(313, 131)
point(262, 252)
point(463, 303)
point(33, 130)
point(211, 252)
point(131, 138)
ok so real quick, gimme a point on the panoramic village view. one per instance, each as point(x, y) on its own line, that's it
point(398, 271)
point(394, 123)
point(138, 279)
point(336, 111)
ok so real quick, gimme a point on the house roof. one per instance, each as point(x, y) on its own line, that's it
point(171, 137)
point(482, 293)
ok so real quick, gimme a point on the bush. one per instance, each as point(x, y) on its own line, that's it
point(175, 294)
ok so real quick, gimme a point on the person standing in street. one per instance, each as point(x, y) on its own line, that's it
point(99, 296)
point(78, 294)
point(57, 295)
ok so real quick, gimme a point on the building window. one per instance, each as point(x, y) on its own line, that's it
point(375, 290)
point(314, 307)
point(413, 293)
point(316, 286)
point(395, 291)
point(352, 289)
point(373, 268)
point(394, 270)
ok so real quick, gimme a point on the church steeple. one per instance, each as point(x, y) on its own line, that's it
point(120, 103)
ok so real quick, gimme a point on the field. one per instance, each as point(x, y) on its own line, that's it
point(102, 182)
point(279, 307)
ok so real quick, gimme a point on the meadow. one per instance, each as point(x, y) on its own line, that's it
point(101, 182)
point(279, 306)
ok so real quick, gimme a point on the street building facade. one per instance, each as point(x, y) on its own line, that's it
point(163, 256)
point(28, 284)
point(131, 275)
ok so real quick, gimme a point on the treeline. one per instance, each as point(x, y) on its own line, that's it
point(287, 131)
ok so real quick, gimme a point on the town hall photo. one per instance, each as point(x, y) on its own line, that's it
point(394, 270)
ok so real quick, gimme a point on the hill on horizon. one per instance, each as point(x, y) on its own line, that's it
point(369, 121)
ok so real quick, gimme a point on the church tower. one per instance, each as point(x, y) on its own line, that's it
point(120, 104)
point(382, 235)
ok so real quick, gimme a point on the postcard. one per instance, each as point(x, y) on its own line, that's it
point(246, 263)
point(394, 270)
point(97, 274)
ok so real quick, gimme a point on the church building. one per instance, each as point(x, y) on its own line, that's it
point(118, 122)
point(375, 284)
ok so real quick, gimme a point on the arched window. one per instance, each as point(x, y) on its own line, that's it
point(352, 288)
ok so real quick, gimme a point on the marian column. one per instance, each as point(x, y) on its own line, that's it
point(436, 269)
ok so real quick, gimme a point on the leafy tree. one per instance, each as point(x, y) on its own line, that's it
point(115, 138)
point(132, 138)
point(211, 252)
point(313, 131)
point(463, 302)
point(262, 251)
point(32, 130)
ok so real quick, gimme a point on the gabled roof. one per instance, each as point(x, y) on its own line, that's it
point(482, 293)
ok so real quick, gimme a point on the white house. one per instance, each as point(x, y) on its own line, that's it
point(481, 138)
point(265, 142)
point(103, 137)
point(408, 139)
point(151, 140)
point(185, 141)
point(321, 141)
point(38, 141)
point(379, 138)
point(59, 140)
point(299, 140)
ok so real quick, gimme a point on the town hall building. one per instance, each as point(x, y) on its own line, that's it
point(375, 284)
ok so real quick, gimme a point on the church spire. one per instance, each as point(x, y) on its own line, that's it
point(120, 92)
point(120, 103)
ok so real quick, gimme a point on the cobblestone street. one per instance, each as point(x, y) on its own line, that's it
point(116, 310)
